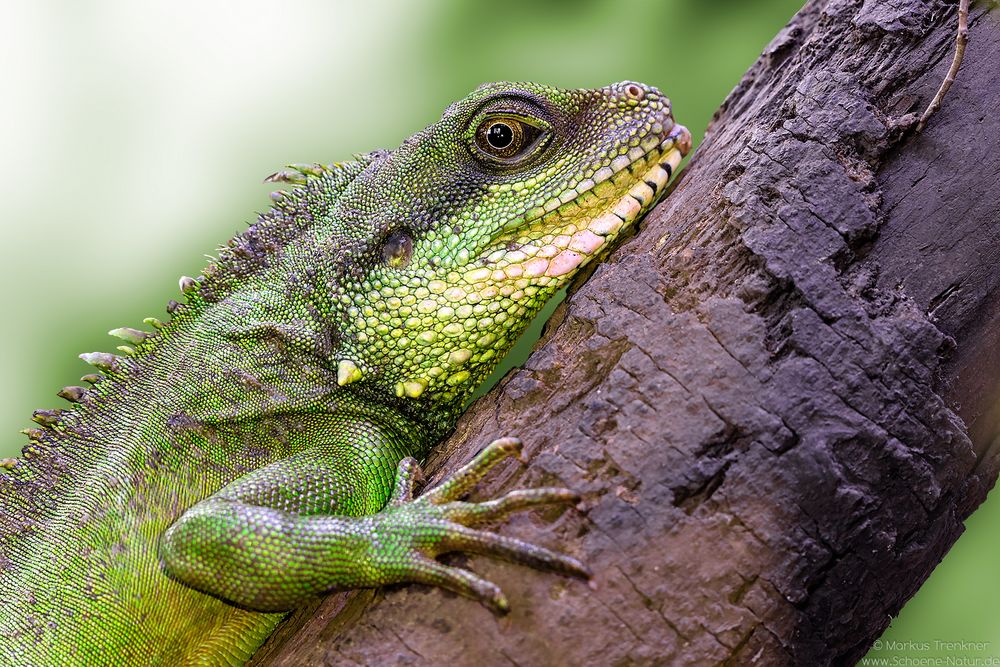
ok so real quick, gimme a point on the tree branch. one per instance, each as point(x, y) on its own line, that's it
point(961, 39)
point(758, 394)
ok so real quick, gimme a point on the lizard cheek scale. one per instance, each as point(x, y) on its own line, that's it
point(260, 447)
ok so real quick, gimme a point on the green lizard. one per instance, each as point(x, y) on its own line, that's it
point(259, 448)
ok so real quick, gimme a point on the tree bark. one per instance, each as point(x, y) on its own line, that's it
point(779, 399)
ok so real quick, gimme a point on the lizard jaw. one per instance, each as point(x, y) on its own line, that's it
point(640, 198)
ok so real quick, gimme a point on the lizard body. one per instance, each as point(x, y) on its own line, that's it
point(258, 449)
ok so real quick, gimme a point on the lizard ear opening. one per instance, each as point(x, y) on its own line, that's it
point(397, 249)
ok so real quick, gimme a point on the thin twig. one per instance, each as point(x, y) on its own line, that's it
point(961, 39)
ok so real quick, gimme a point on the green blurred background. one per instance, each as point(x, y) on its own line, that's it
point(134, 138)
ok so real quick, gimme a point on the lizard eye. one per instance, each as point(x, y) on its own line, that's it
point(397, 249)
point(506, 139)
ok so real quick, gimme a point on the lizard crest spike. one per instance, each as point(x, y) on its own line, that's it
point(287, 176)
point(129, 335)
point(33, 434)
point(103, 360)
point(226, 473)
point(187, 284)
point(47, 418)
point(72, 394)
point(299, 174)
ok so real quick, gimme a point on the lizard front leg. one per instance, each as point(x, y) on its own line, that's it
point(341, 515)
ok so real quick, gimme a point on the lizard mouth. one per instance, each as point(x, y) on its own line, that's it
point(563, 234)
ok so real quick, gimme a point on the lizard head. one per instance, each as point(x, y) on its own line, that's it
point(474, 222)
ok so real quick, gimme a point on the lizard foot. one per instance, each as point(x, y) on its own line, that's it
point(414, 532)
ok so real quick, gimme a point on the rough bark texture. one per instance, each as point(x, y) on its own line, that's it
point(779, 399)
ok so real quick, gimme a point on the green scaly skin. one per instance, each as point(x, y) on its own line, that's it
point(258, 449)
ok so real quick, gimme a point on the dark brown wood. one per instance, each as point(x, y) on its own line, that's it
point(764, 395)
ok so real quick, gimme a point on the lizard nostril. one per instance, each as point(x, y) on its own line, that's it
point(633, 91)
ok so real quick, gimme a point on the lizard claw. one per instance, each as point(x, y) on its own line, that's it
point(464, 583)
point(438, 523)
point(462, 480)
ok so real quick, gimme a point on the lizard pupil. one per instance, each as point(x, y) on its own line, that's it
point(507, 140)
point(397, 249)
point(500, 135)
